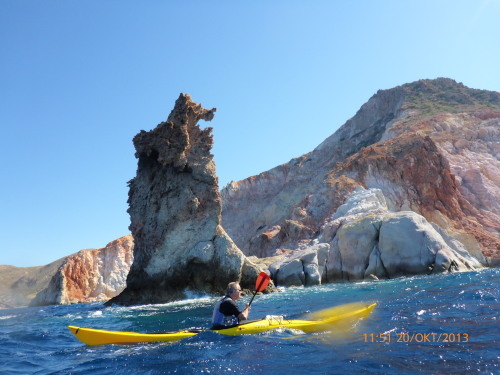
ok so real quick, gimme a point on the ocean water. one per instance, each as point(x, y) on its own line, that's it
point(440, 324)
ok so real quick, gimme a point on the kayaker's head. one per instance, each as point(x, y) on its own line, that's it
point(234, 291)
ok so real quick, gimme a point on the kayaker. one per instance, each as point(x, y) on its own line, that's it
point(226, 312)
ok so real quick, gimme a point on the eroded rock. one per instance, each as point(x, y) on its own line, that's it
point(175, 212)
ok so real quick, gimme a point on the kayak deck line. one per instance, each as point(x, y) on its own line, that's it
point(95, 337)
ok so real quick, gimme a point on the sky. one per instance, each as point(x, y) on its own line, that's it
point(78, 80)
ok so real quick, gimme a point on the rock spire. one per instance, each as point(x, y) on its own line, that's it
point(175, 212)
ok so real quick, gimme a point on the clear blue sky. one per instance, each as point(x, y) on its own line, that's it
point(78, 79)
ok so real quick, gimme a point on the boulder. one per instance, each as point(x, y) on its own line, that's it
point(304, 267)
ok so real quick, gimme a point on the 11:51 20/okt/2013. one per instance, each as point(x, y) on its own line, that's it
point(415, 337)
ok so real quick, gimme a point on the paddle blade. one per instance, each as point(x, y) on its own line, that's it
point(262, 282)
point(356, 309)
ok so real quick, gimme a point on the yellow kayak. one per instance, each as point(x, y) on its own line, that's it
point(346, 316)
point(94, 337)
point(325, 320)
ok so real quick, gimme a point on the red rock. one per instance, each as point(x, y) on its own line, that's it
point(90, 275)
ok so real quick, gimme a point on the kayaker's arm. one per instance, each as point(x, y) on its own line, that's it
point(244, 314)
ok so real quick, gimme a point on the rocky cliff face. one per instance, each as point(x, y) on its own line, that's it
point(431, 147)
point(175, 212)
point(87, 276)
point(90, 275)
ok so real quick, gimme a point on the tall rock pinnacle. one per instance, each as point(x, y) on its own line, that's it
point(175, 211)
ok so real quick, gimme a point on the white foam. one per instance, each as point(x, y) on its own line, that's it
point(152, 309)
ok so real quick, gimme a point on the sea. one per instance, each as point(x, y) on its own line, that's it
point(437, 324)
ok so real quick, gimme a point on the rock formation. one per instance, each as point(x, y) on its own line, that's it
point(431, 147)
point(410, 184)
point(175, 212)
point(94, 275)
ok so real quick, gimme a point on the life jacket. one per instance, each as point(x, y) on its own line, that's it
point(219, 319)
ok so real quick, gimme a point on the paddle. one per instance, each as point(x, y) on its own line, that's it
point(260, 284)
point(340, 320)
point(341, 310)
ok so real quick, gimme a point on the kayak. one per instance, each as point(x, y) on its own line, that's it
point(93, 337)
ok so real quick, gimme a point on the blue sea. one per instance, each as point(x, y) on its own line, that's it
point(439, 324)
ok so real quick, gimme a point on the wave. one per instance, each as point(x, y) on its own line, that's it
point(7, 317)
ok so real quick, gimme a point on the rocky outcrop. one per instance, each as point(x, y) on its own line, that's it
point(365, 240)
point(94, 275)
point(175, 212)
point(431, 147)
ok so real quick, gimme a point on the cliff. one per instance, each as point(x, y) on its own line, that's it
point(89, 275)
point(431, 147)
point(94, 275)
point(175, 212)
